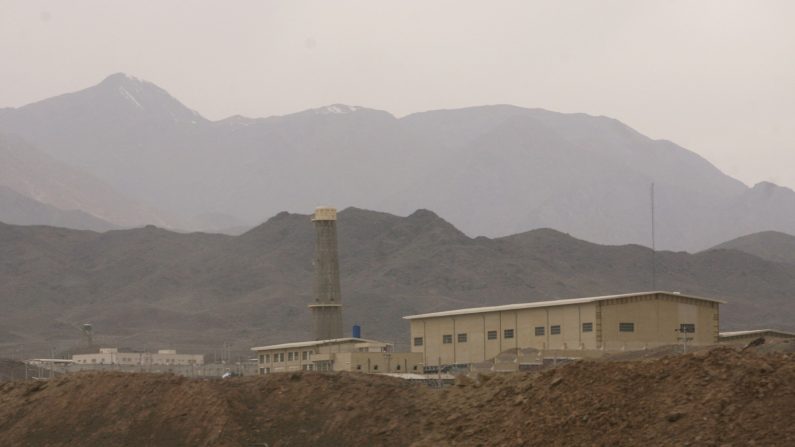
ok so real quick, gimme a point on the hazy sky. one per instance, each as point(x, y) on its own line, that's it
point(717, 77)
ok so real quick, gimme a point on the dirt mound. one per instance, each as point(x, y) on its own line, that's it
point(116, 409)
point(718, 397)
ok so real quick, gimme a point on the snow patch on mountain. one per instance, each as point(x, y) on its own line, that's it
point(336, 109)
point(130, 97)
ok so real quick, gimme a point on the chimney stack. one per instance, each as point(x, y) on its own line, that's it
point(327, 305)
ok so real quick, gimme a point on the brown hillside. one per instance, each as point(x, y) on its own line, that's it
point(149, 288)
point(710, 398)
point(771, 245)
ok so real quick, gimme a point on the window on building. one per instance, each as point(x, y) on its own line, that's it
point(626, 327)
point(554, 329)
point(261, 371)
point(267, 358)
point(305, 355)
point(539, 330)
point(491, 335)
point(375, 368)
point(417, 341)
point(688, 328)
point(398, 367)
point(267, 370)
point(447, 338)
point(462, 338)
point(310, 367)
point(358, 367)
point(415, 367)
point(290, 356)
point(507, 333)
point(262, 358)
point(281, 356)
point(587, 327)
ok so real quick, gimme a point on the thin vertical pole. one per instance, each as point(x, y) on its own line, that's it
point(653, 245)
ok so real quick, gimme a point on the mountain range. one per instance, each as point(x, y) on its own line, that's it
point(490, 170)
point(151, 288)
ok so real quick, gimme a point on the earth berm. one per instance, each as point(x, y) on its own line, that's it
point(718, 397)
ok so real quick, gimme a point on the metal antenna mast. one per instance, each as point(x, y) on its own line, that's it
point(653, 245)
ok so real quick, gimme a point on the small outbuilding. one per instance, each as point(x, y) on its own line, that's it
point(341, 354)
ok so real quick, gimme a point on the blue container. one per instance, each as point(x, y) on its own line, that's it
point(357, 331)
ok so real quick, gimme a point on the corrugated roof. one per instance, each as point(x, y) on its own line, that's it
point(305, 344)
point(564, 302)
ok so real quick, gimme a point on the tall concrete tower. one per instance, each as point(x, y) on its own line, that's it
point(326, 306)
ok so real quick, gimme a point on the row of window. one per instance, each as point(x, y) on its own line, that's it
point(540, 331)
point(279, 356)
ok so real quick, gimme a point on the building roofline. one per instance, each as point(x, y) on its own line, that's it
point(562, 302)
point(304, 344)
point(731, 334)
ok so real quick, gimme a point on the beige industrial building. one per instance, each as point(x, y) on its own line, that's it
point(580, 327)
point(112, 356)
point(341, 354)
point(745, 337)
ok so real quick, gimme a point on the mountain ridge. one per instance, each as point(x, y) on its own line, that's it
point(148, 286)
point(773, 246)
point(491, 170)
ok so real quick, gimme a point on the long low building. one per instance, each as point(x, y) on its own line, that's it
point(341, 354)
point(574, 327)
point(112, 356)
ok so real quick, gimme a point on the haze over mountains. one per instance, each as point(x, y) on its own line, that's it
point(44, 180)
point(491, 170)
point(22, 210)
point(147, 287)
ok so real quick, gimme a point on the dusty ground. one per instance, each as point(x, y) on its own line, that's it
point(719, 397)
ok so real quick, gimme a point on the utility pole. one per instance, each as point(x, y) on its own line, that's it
point(653, 244)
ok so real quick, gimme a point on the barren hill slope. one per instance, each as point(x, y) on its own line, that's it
point(716, 397)
point(149, 287)
point(771, 245)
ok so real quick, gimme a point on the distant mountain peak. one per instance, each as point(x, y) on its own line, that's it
point(765, 185)
point(423, 213)
point(116, 78)
point(144, 96)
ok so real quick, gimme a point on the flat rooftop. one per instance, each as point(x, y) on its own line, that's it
point(755, 332)
point(306, 344)
point(563, 302)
